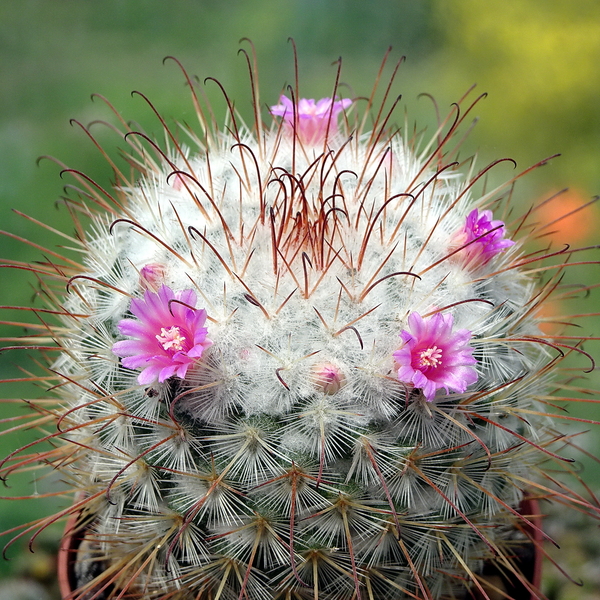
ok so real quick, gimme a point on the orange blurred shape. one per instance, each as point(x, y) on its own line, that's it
point(567, 217)
point(549, 318)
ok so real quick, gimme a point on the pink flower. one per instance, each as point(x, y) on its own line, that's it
point(169, 335)
point(315, 120)
point(489, 244)
point(434, 357)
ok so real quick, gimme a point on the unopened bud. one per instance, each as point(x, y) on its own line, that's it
point(152, 276)
point(329, 378)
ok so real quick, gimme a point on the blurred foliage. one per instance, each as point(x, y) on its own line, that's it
point(537, 60)
point(539, 63)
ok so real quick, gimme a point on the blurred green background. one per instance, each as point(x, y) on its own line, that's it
point(538, 61)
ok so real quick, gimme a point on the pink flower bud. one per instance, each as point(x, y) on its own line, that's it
point(328, 378)
point(177, 182)
point(152, 276)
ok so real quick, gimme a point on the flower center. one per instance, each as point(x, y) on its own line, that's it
point(483, 229)
point(171, 339)
point(432, 357)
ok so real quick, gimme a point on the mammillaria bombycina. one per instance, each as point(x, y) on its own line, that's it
point(301, 359)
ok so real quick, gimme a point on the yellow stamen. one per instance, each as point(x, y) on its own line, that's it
point(432, 357)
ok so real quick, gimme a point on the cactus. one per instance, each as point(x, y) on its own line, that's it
point(302, 359)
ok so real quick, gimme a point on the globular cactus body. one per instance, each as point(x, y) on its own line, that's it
point(301, 361)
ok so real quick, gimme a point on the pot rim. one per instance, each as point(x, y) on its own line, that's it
point(66, 551)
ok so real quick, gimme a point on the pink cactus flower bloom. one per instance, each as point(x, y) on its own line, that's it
point(433, 356)
point(489, 244)
point(169, 335)
point(315, 120)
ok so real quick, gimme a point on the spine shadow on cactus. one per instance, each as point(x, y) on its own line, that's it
point(301, 360)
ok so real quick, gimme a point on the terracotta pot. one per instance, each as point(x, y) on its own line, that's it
point(67, 553)
point(531, 506)
point(78, 562)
